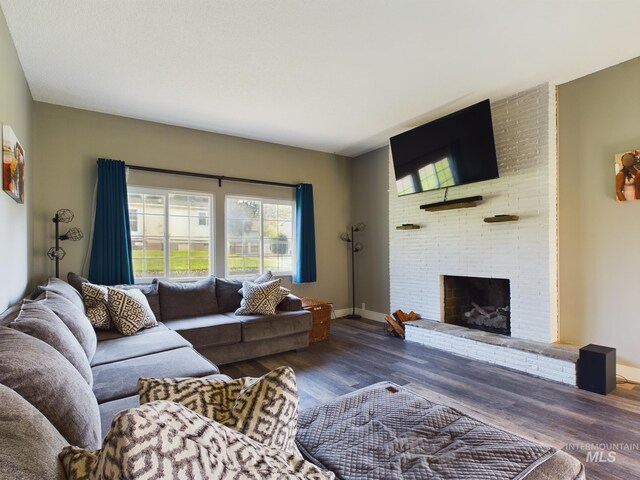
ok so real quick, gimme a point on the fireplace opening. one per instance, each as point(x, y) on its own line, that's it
point(479, 303)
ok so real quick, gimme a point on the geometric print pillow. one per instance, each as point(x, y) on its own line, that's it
point(265, 409)
point(165, 440)
point(95, 302)
point(130, 310)
point(259, 298)
point(267, 277)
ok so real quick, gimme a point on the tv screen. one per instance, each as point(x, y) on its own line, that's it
point(449, 151)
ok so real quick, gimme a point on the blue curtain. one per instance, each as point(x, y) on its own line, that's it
point(110, 261)
point(305, 235)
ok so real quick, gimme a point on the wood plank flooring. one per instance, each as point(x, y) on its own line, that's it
point(359, 354)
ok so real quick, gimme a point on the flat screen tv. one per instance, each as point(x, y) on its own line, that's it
point(449, 151)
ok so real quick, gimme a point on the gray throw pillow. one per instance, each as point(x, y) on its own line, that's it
point(10, 314)
point(76, 281)
point(227, 293)
point(74, 319)
point(44, 378)
point(61, 288)
point(37, 320)
point(187, 299)
point(29, 444)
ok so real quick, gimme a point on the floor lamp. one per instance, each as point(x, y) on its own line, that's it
point(355, 248)
point(57, 253)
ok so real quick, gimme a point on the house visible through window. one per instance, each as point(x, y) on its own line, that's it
point(172, 237)
point(259, 236)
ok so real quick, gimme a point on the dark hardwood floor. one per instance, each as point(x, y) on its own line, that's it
point(359, 354)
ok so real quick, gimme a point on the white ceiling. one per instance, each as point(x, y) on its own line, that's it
point(330, 75)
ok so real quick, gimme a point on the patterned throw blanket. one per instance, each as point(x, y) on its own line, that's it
point(389, 432)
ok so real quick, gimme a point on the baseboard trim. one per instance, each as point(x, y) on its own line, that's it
point(368, 314)
point(343, 312)
point(630, 373)
point(371, 315)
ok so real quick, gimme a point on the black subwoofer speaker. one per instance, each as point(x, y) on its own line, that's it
point(597, 369)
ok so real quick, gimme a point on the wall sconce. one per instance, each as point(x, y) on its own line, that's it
point(355, 248)
point(57, 253)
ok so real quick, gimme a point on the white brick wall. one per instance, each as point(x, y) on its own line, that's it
point(458, 242)
point(541, 366)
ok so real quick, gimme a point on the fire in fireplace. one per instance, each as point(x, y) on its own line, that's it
point(480, 303)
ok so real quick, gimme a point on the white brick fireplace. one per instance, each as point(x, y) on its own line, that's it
point(458, 242)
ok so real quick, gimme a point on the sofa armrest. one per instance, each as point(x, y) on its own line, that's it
point(290, 303)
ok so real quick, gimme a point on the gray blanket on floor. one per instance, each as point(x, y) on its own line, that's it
point(389, 432)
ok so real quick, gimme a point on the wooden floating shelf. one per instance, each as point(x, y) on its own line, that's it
point(467, 202)
point(502, 218)
point(408, 226)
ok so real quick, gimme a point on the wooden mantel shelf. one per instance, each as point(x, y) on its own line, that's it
point(466, 202)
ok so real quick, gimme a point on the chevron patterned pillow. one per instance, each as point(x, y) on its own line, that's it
point(130, 310)
point(95, 303)
point(265, 408)
point(259, 298)
point(165, 440)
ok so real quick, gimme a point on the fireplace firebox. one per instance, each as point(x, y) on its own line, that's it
point(479, 303)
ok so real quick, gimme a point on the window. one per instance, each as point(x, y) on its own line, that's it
point(172, 237)
point(133, 220)
point(259, 236)
point(436, 175)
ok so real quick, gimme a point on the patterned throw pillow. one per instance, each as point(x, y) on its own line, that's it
point(265, 409)
point(130, 310)
point(259, 298)
point(267, 276)
point(166, 440)
point(95, 303)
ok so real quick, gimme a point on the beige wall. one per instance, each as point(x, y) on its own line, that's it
point(599, 116)
point(68, 141)
point(15, 110)
point(370, 204)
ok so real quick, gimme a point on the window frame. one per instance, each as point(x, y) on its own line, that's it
point(272, 200)
point(146, 190)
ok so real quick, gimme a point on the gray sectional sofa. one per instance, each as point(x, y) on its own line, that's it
point(196, 329)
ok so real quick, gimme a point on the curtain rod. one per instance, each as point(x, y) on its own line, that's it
point(220, 178)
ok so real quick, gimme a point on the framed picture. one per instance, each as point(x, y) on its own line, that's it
point(627, 168)
point(12, 165)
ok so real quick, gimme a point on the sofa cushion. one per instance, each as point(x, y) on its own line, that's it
point(133, 346)
point(129, 310)
point(108, 410)
point(265, 408)
point(227, 294)
point(39, 321)
point(118, 379)
point(103, 335)
point(74, 319)
point(95, 304)
point(44, 378)
point(262, 327)
point(10, 314)
point(29, 444)
point(166, 440)
point(61, 288)
point(208, 330)
point(187, 299)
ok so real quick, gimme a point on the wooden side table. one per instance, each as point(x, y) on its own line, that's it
point(321, 315)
